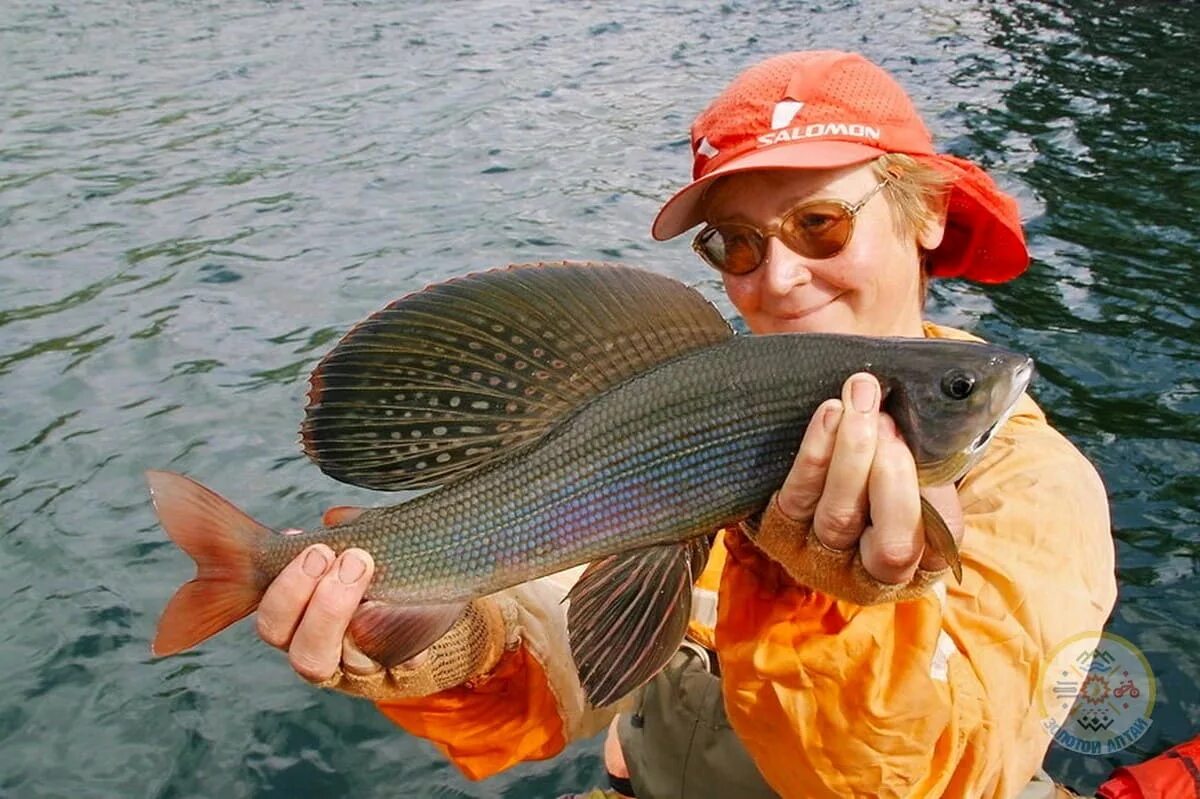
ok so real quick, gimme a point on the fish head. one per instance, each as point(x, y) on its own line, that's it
point(948, 399)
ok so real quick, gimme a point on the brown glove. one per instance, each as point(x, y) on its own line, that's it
point(838, 573)
point(468, 650)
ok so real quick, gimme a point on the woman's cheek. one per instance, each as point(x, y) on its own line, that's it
point(741, 292)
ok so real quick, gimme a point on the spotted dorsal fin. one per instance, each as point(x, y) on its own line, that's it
point(442, 381)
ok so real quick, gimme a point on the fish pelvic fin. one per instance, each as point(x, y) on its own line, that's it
point(629, 614)
point(392, 634)
point(221, 539)
point(940, 539)
point(446, 380)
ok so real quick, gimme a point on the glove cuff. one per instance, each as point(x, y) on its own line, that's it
point(469, 650)
point(838, 573)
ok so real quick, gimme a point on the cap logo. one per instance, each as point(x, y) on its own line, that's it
point(704, 148)
point(819, 130)
point(785, 111)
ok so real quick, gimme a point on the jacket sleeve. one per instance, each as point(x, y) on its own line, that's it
point(528, 707)
point(938, 695)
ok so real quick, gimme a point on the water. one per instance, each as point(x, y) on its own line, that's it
point(197, 199)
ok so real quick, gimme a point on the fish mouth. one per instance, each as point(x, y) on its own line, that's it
point(1022, 375)
point(1021, 378)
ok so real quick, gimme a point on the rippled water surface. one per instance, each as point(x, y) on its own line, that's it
point(197, 199)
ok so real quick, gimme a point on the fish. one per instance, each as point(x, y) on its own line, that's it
point(559, 414)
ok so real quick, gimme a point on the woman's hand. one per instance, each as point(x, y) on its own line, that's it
point(307, 610)
point(853, 485)
point(308, 607)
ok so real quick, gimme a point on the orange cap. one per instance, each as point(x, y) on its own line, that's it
point(826, 109)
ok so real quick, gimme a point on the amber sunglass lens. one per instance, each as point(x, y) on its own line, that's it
point(731, 249)
point(743, 253)
point(711, 247)
point(819, 230)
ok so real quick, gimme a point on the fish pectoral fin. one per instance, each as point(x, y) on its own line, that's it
point(628, 615)
point(940, 539)
point(392, 634)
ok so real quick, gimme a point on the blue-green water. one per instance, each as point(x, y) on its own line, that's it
point(197, 198)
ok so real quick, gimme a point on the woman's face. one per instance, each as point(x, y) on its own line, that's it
point(871, 287)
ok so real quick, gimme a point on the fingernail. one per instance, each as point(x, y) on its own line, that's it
point(315, 562)
point(833, 415)
point(352, 568)
point(863, 394)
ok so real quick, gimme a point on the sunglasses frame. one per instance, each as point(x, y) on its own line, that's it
point(852, 212)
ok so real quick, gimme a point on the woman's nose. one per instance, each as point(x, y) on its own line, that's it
point(783, 269)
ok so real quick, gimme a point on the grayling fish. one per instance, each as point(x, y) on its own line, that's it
point(566, 414)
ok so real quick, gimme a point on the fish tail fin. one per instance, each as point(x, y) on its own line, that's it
point(221, 539)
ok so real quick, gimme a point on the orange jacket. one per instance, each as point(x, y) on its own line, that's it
point(932, 697)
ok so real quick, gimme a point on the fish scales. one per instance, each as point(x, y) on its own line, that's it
point(699, 441)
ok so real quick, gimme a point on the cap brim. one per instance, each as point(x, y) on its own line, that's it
point(683, 211)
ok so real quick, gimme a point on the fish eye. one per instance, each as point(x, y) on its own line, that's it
point(958, 385)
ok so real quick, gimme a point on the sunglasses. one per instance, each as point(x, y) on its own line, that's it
point(817, 229)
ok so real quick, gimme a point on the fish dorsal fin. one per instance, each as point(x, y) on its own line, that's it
point(444, 380)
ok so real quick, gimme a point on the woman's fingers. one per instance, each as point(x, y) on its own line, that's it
point(891, 546)
point(355, 661)
point(854, 482)
point(805, 481)
point(841, 513)
point(286, 598)
point(316, 648)
point(288, 595)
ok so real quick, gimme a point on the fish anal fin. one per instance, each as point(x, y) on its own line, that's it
point(392, 634)
point(628, 615)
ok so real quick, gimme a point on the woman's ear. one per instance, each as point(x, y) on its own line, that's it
point(931, 233)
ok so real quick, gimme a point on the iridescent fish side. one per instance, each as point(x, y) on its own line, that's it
point(565, 414)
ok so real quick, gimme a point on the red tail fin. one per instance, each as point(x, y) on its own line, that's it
point(221, 540)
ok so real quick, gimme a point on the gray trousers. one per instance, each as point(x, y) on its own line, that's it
point(678, 743)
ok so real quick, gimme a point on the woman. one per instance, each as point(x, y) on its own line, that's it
point(847, 664)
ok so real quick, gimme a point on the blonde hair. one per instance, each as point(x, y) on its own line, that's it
point(917, 192)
